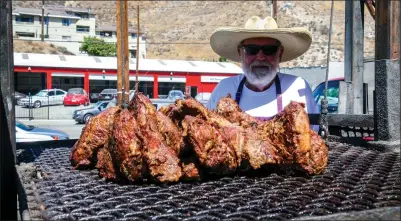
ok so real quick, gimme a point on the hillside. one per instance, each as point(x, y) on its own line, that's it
point(39, 47)
point(181, 29)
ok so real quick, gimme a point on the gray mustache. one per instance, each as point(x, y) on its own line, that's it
point(260, 63)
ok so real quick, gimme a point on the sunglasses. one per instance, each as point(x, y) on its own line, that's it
point(254, 49)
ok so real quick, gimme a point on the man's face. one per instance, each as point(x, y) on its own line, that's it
point(260, 64)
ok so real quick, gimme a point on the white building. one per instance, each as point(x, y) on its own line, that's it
point(66, 27)
point(108, 34)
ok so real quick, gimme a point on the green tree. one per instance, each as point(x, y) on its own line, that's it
point(98, 47)
point(223, 59)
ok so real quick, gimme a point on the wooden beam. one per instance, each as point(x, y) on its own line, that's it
point(122, 52)
point(387, 29)
point(387, 71)
point(137, 49)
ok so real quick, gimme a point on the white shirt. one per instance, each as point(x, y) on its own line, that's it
point(263, 105)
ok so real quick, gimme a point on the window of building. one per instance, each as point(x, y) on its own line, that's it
point(46, 20)
point(66, 22)
point(81, 28)
point(133, 53)
point(25, 34)
point(67, 38)
point(165, 87)
point(106, 33)
point(24, 19)
point(84, 16)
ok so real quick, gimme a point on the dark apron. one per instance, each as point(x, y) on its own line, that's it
point(278, 92)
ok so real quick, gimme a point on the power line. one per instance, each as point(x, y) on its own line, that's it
point(147, 43)
point(173, 7)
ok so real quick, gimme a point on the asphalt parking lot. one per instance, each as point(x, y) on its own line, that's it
point(55, 112)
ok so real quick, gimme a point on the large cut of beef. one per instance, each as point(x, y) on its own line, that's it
point(186, 141)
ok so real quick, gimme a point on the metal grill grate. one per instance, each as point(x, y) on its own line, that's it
point(356, 179)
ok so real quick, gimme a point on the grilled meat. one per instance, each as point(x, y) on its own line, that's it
point(207, 142)
point(95, 135)
point(190, 171)
point(295, 141)
point(318, 156)
point(162, 160)
point(229, 109)
point(170, 132)
point(126, 148)
point(105, 164)
point(140, 142)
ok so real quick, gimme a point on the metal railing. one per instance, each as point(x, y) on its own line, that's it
point(32, 109)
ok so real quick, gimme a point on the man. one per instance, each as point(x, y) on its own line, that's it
point(262, 91)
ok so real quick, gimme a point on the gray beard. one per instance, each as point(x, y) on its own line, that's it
point(260, 80)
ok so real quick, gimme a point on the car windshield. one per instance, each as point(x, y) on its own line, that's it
point(75, 91)
point(22, 126)
point(108, 91)
point(175, 93)
point(41, 94)
point(98, 103)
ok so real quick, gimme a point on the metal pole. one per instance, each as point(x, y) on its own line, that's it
point(353, 67)
point(137, 49)
point(43, 21)
point(348, 43)
point(47, 25)
point(357, 58)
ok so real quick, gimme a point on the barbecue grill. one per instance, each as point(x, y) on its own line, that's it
point(356, 179)
point(361, 181)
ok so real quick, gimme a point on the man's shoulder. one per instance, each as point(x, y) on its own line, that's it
point(289, 76)
point(232, 80)
point(292, 78)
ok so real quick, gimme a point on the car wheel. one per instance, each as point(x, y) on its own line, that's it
point(37, 104)
point(87, 118)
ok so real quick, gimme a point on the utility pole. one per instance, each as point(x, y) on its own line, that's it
point(122, 53)
point(274, 9)
point(43, 21)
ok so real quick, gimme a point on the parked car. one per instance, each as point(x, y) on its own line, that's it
point(29, 133)
point(107, 94)
point(175, 94)
point(203, 96)
point(332, 94)
point(333, 86)
point(94, 97)
point(84, 115)
point(76, 96)
point(18, 96)
point(44, 97)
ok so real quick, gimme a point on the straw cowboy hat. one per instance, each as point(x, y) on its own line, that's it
point(296, 41)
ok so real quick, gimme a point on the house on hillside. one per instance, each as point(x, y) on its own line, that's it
point(109, 34)
point(67, 27)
